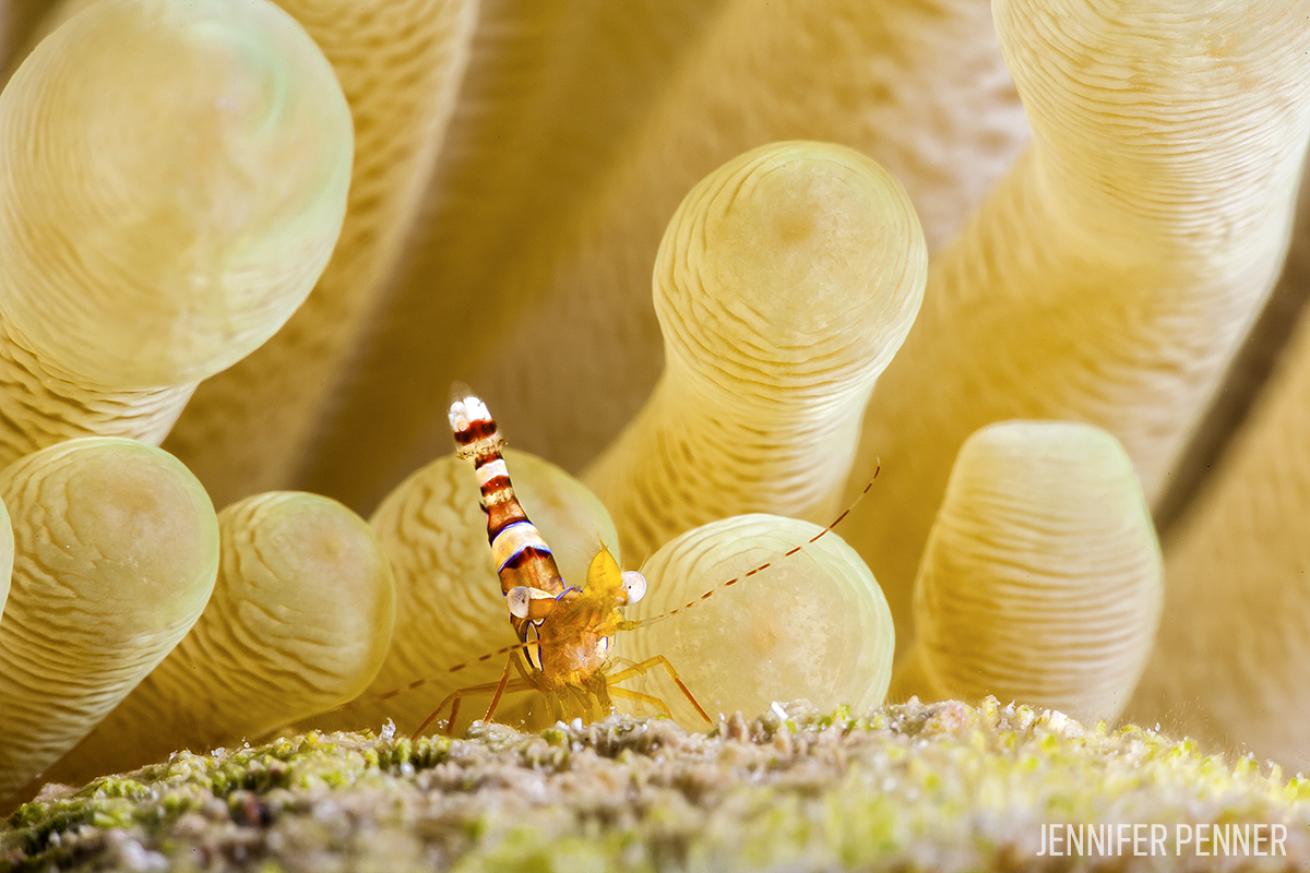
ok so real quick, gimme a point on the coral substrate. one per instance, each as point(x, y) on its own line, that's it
point(943, 786)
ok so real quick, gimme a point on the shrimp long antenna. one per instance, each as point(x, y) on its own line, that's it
point(728, 583)
point(418, 683)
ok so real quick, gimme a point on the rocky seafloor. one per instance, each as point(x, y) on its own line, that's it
point(941, 786)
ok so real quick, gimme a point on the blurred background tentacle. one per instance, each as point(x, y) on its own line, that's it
point(1113, 273)
point(552, 231)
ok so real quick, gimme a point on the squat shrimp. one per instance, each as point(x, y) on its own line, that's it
point(565, 631)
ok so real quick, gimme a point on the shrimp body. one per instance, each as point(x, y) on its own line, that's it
point(521, 555)
point(565, 631)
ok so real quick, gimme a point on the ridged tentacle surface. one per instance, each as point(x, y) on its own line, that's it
point(1041, 580)
point(1251, 370)
point(566, 251)
point(6, 556)
point(786, 282)
point(188, 190)
point(449, 605)
point(400, 63)
point(813, 625)
point(1233, 663)
point(115, 555)
point(1112, 274)
point(299, 622)
point(42, 407)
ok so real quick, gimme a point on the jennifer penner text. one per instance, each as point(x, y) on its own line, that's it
point(1249, 840)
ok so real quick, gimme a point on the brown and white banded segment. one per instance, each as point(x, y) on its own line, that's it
point(786, 282)
point(763, 608)
point(215, 135)
point(642, 98)
point(299, 622)
point(1232, 666)
point(518, 551)
point(400, 64)
point(115, 555)
point(450, 605)
point(1042, 579)
point(1111, 276)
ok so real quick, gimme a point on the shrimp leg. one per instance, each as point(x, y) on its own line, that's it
point(453, 698)
point(650, 664)
point(649, 699)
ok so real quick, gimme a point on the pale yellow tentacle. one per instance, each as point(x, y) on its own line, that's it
point(116, 552)
point(786, 282)
point(1042, 579)
point(299, 622)
point(1112, 274)
point(189, 186)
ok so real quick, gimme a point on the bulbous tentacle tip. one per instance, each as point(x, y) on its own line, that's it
point(302, 612)
point(207, 265)
point(786, 281)
point(126, 539)
point(802, 613)
point(793, 253)
point(1042, 579)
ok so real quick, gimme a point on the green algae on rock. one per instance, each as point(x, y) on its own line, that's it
point(941, 786)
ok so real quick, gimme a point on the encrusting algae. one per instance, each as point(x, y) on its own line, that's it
point(940, 786)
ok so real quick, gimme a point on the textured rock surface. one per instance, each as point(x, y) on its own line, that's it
point(943, 787)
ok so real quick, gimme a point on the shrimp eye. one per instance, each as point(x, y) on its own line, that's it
point(634, 584)
point(519, 600)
